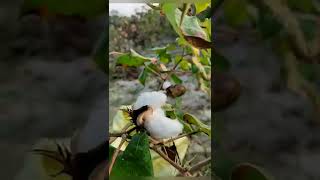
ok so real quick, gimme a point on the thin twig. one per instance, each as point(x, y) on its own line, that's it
point(112, 140)
point(199, 165)
point(115, 154)
point(121, 133)
point(175, 138)
point(182, 170)
point(172, 70)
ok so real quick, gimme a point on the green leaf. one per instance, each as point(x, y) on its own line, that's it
point(194, 121)
point(100, 53)
point(235, 12)
point(135, 160)
point(83, 8)
point(246, 171)
point(143, 76)
point(202, 6)
point(132, 59)
point(194, 68)
point(176, 79)
point(164, 57)
point(185, 65)
point(170, 11)
point(190, 25)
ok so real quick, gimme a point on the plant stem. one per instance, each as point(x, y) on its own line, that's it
point(115, 154)
point(119, 134)
point(182, 170)
point(175, 138)
point(199, 165)
point(172, 70)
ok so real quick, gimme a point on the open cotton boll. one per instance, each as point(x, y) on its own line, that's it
point(166, 84)
point(161, 127)
point(154, 99)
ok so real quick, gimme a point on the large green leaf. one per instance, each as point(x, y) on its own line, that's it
point(190, 25)
point(194, 121)
point(84, 8)
point(170, 11)
point(132, 59)
point(135, 160)
point(160, 166)
point(100, 53)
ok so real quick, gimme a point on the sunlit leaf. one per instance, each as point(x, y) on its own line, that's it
point(185, 65)
point(202, 6)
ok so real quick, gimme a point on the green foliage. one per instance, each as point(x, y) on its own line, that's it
point(132, 59)
point(190, 119)
point(189, 55)
point(135, 160)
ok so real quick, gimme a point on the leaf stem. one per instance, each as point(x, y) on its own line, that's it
point(182, 170)
point(116, 153)
point(172, 70)
point(199, 165)
point(175, 138)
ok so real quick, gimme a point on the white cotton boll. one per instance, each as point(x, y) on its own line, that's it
point(161, 127)
point(154, 99)
point(166, 84)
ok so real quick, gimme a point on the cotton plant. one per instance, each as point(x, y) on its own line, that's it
point(154, 119)
point(151, 137)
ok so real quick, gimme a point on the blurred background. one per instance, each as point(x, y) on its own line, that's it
point(49, 83)
point(274, 123)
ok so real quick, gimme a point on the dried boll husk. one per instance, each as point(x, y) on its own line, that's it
point(176, 90)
